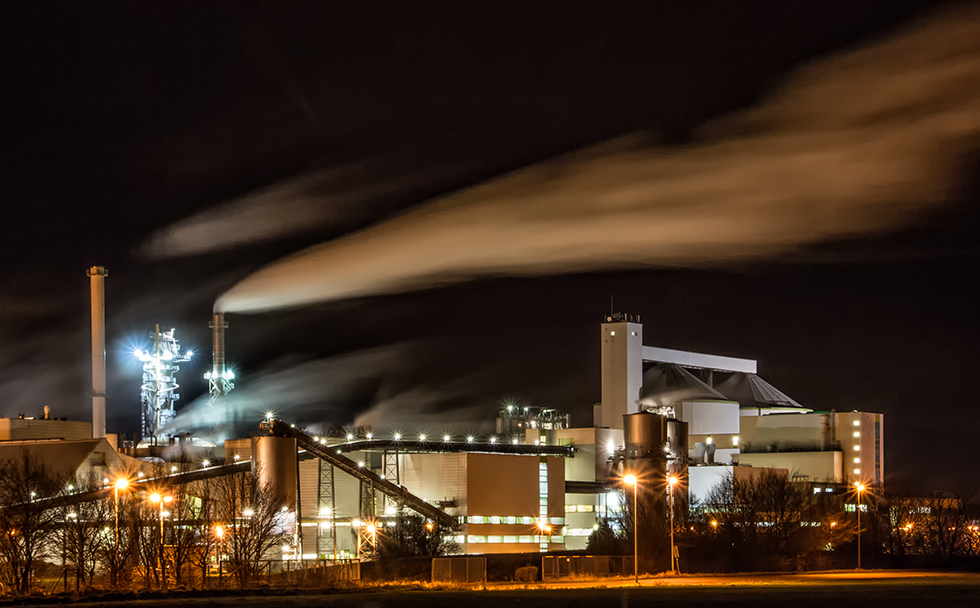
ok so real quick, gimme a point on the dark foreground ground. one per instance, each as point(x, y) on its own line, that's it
point(829, 590)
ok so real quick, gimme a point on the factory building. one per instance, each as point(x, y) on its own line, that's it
point(735, 417)
point(533, 484)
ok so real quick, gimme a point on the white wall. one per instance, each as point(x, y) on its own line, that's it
point(622, 371)
point(709, 417)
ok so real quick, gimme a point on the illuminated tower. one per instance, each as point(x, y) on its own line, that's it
point(220, 377)
point(159, 390)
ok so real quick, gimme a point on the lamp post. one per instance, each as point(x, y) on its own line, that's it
point(671, 482)
point(859, 487)
point(631, 480)
point(121, 484)
point(220, 533)
point(161, 500)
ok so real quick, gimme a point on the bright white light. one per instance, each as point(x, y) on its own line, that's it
point(391, 511)
point(514, 441)
point(356, 523)
point(857, 433)
point(206, 463)
point(857, 471)
point(173, 469)
point(248, 513)
point(361, 464)
point(857, 423)
point(398, 436)
point(138, 352)
point(735, 441)
point(325, 511)
point(708, 440)
point(350, 436)
point(510, 408)
point(370, 436)
point(857, 461)
point(857, 448)
point(447, 438)
point(422, 437)
point(190, 354)
point(493, 440)
point(610, 447)
point(469, 439)
point(237, 457)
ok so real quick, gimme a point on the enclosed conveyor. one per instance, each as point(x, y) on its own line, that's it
point(279, 428)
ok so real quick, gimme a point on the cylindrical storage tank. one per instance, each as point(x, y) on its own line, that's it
point(644, 434)
point(274, 461)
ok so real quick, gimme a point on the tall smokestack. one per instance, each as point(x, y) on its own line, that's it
point(218, 325)
point(220, 377)
point(97, 274)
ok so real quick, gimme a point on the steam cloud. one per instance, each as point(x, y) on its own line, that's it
point(296, 392)
point(850, 145)
point(332, 198)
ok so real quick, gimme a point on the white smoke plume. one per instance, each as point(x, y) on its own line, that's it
point(850, 145)
point(329, 198)
point(318, 389)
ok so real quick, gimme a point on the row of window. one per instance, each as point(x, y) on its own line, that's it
point(476, 538)
point(579, 508)
point(499, 519)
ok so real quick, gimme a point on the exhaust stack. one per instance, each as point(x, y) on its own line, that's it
point(220, 377)
point(97, 274)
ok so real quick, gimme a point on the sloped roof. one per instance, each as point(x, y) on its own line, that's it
point(60, 458)
point(669, 383)
point(753, 392)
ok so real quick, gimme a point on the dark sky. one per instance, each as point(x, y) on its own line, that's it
point(119, 120)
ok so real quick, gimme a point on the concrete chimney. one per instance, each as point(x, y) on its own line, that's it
point(97, 274)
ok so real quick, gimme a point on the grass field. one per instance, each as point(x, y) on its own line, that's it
point(868, 590)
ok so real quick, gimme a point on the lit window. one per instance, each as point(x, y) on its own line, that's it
point(857, 433)
point(633, 333)
point(612, 333)
point(857, 448)
point(708, 440)
point(735, 441)
point(857, 423)
point(857, 471)
point(857, 461)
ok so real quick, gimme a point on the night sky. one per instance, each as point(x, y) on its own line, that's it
point(122, 123)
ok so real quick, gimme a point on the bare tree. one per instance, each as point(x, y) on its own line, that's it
point(26, 531)
point(254, 522)
point(412, 536)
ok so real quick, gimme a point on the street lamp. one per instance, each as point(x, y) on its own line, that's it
point(671, 482)
point(220, 533)
point(161, 500)
point(631, 480)
point(543, 527)
point(859, 487)
point(121, 484)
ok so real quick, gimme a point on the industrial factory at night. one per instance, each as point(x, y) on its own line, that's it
point(675, 423)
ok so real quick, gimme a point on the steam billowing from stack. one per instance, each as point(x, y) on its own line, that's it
point(852, 145)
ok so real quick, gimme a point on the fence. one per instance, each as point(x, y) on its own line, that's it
point(309, 573)
point(559, 566)
point(460, 570)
